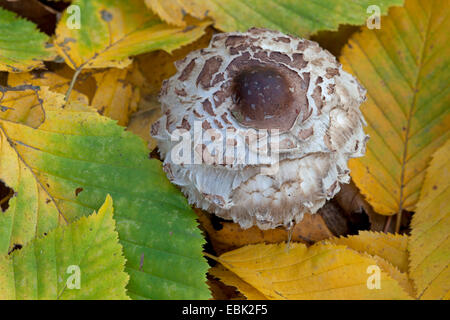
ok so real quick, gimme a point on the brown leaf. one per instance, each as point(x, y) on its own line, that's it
point(158, 65)
point(354, 205)
point(334, 218)
point(149, 110)
point(115, 96)
point(221, 290)
point(147, 73)
point(226, 235)
point(230, 281)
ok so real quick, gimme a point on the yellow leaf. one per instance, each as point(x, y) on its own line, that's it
point(171, 11)
point(148, 107)
point(389, 250)
point(85, 82)
point(141, 121)
point(231, 279)
point(396, 274)
point(231, 236)
point(110, 32)
point(115, 96)
point(322, 271)
point(66, 166)
point(30, 112)
point(390, 247)
point(147, 73)
point(159, 65)
point(429, 244)
point(404, 66)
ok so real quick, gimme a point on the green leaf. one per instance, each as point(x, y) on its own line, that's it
point(110, 31)
point(83, 260)
point(299, 17)
point(65, 168)
point(22, 45)
point(405, 67)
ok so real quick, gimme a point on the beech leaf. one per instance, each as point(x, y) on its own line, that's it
point(64, 169)
point(322, 271)
point(30, 111)
point(405, 68)
point(299, 17)
point(22, 46)
point(112, 30)
point(115, 96)
point(46, 268)
point(429, 245)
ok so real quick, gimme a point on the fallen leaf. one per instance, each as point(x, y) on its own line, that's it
point(141, 121)
point(110, 32)
point(322, 271)
point(22, 46)
point(389, 250)
point(147, 73)
point(158, 65)
point(115, 96)
point(64, 169)
point(390, 247)
point(429, 244)
point(231, 279)
point(43, 268)
point(334, 41)
point(299, 17)
point(404, 67)
point(35, 11)
point(30, 111)
point(354, 205)
point(85, 81)
point(334, 218)
point(228, 235)
point(220, 291)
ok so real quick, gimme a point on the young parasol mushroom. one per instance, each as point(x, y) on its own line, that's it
point(265, 122)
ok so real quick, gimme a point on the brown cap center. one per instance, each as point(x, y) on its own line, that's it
point(262, 98)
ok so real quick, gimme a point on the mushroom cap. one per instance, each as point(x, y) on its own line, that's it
point(285, 114)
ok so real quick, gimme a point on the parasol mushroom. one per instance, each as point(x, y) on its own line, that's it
point(285, 115)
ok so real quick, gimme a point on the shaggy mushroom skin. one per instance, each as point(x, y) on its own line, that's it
point(264, 86)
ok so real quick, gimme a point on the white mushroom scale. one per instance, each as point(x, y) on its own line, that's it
point(279, 120)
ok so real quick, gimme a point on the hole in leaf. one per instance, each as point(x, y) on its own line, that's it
point(17, 246)
point(77, 191)
point(6, 193)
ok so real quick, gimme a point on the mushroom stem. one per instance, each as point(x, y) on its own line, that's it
point(290, 229)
